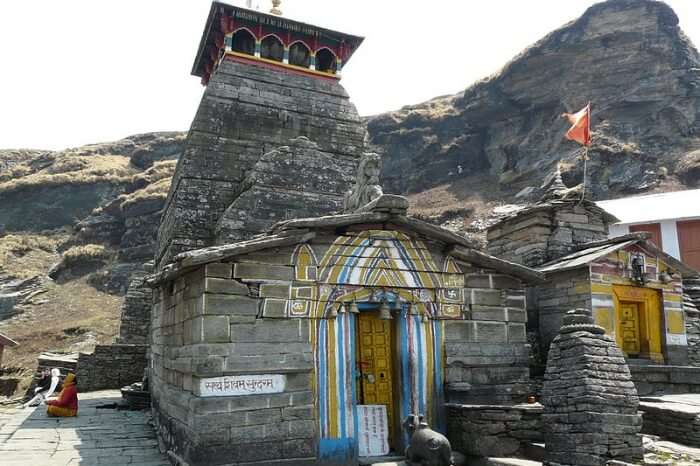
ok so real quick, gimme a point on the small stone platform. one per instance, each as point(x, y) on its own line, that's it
point(95, 437)
point(673, 417)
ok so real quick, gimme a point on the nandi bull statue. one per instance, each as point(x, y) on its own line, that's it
point(426, 447)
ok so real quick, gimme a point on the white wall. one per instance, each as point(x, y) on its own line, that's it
point(669, 238)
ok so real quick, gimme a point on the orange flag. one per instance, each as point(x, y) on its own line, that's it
point(580, 130)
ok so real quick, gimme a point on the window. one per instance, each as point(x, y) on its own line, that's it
point(243, 42)
point(299, 55)
point(271, 48)
point(325, 61)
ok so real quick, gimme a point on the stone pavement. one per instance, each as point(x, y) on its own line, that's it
point(95, 437)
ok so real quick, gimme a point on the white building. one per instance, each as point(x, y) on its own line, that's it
point(673, 219)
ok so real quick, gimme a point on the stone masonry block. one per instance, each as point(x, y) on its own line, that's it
point(250, 271)
point(272, 331)
point(274, 290)
point(517, 333)
point(225, 286)
point(271, 363)
point(489, 313)
point(218, 270)
point(491, 332)
point(502, 282)
point(487, 297)
point(275, 308)
point(459, 330)
point(215, 329)
point(230, 305)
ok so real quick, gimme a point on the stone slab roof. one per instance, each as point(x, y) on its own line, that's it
point(590, 252)
point(388, 213)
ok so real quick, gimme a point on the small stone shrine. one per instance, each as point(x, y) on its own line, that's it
point(590, 415)
point(633, 288)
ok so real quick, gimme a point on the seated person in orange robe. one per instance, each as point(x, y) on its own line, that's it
point(67, 403)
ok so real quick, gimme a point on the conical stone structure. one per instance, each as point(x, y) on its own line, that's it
point(590, 401)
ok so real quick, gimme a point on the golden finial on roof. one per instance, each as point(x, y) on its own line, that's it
point(276, 7)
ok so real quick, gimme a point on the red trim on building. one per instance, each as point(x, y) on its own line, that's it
point(279, 67)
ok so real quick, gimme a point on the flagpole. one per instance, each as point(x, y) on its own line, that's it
point(585, 153)
point(585, 165)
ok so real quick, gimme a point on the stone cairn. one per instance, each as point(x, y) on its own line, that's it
point(590, 415)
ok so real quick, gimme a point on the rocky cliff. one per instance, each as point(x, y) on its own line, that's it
point(629, 58)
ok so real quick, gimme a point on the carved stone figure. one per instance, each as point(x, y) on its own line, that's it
point(367, 187)
point(426, 447)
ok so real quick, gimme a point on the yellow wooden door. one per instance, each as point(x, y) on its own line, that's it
point(375, 364)
point(629, 323)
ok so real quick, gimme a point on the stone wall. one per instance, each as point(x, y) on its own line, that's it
point(269, 311)
point(670, 421)
point(552, 300)
point(247, 111)
point(493, 430)
point(207, 326)
point(111, 366)
point(136, 310)
point(487, 353)
point(546, 231)
point(657, 379)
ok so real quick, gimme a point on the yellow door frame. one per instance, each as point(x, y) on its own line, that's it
point(651, 327)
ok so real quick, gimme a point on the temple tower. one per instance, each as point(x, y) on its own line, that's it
point(269, 81)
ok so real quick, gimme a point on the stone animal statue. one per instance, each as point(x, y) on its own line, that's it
point(367, 187)
point(426, 447)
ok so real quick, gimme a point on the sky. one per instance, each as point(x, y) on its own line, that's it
point(74, 72)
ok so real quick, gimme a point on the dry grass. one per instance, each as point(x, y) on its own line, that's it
point(71, 170)
point(84, 253)
point(73, 304)
point(27, 255)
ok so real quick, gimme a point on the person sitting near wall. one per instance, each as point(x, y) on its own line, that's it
point(67, 403)
point(47, 385)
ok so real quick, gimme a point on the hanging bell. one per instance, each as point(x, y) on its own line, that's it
point(342, 309)
point(425, 317)
point(332, 313)
point(385, 311)
point(413, 310)
point(353, 308)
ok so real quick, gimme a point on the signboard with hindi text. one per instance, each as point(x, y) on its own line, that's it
point(373, 430)
point(239, 385)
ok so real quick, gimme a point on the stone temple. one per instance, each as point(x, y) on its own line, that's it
point(284, 304)
point(300, 315)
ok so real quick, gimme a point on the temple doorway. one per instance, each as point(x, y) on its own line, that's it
point(376, 365)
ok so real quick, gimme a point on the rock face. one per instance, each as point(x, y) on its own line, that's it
point(248, 111)
point(628, 58)
point(590, 401)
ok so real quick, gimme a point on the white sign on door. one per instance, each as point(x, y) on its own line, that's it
point(239, 385)
point(374, 430)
